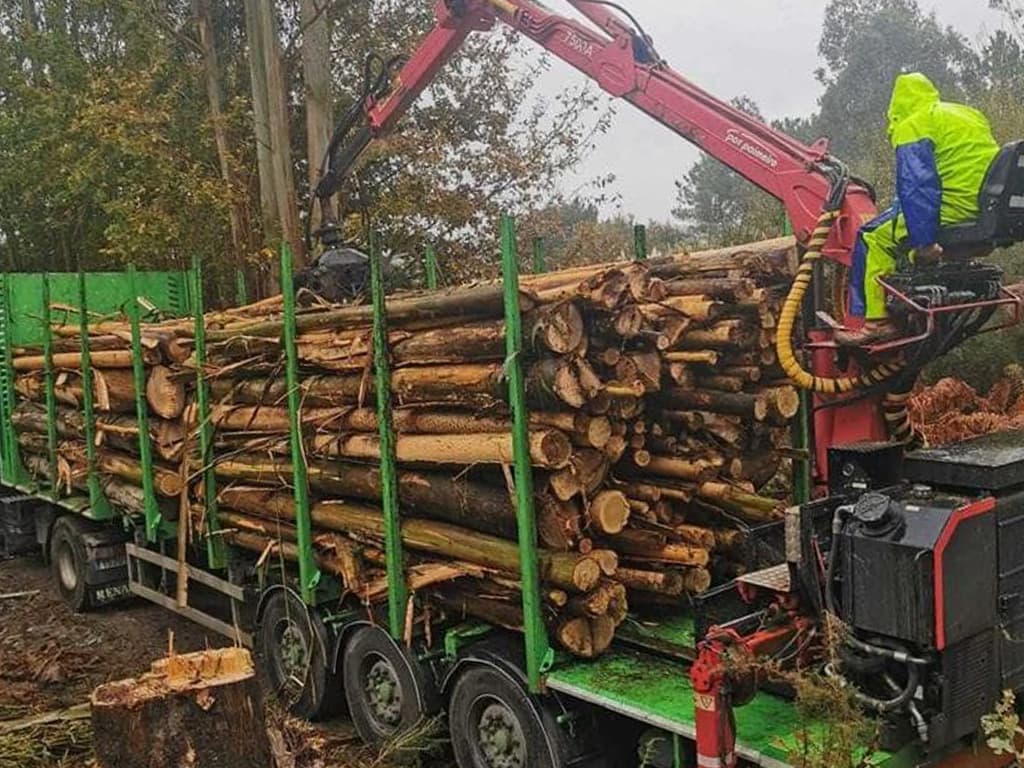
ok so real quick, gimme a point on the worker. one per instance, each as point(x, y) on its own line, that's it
point(943, 152)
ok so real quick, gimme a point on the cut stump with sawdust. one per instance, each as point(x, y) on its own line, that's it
point(201, 710)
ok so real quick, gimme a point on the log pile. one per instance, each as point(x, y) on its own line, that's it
point(659, 426)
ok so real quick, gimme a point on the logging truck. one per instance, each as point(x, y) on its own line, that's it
point(590, 515)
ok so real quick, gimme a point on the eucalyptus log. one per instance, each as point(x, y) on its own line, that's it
point(549, 449)
point(198, 709)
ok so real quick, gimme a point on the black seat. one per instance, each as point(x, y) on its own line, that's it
point(1000, 221)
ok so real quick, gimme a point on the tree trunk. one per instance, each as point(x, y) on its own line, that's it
point(316, 71)
point(280, 133)
point(211, 66)
point(204, 710)
point(261, 123)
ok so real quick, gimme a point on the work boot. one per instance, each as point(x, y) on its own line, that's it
point(872, 332)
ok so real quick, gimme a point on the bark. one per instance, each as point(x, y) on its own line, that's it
point(316, 74)
point(200, 709)
point(214, 97)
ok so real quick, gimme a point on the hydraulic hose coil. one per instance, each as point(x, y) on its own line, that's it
point(791, 311)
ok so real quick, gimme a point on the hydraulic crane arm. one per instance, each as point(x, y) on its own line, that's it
point(623, 62)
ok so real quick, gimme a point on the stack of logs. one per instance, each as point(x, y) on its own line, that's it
point(659, 433)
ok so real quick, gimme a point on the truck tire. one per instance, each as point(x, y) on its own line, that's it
point(494, 724)
point(69, 562)
point(387, 691)
point(291, 649)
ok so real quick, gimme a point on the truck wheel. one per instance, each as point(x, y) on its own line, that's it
point(386, 690)
point(68, 561)
point(291, 645)
point(495, 725)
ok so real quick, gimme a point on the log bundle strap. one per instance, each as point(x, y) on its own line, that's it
point(658, 433)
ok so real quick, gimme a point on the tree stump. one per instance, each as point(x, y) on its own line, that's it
point(197, 710)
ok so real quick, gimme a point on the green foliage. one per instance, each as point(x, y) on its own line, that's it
point(1002, 729)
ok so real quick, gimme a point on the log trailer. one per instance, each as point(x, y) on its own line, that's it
point(917, 552)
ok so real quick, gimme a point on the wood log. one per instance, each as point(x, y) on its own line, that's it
point(564, 570)
point(115, 430)
point(634, 543)
point(482, 300)
point(696, 470)
point(114, 358)
point(662, 582)
point(198, 709)
point(113, 389)
point(461, 384)
point(165, 392)
point(608, 512)
point(749, 406)
point(751, 507)
point(549, 449)
point(586, 471)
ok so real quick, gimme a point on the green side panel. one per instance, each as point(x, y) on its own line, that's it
point(106, 293)
point(22, 323)
point(657, 691)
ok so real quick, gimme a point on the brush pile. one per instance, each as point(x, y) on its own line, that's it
point(950, 410)
point(659, 433)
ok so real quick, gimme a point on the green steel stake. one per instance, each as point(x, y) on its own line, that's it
point(539, 261)
point(309, 574)
point(430, 262)
point(639, 243)
point(51, 394)
point(397, 594)
point(13, 470)
point(241, 292)
point(150, 508)
point(215, 550)
point(97, 501)
point(538, 652)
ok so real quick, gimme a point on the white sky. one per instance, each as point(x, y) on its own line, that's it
point(764, 49)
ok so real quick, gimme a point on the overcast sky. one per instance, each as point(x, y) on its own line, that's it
point(764, 49)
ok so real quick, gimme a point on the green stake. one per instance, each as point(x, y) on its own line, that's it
point(430, 262)
point(309, 573)
point(537, 649)
point(640, 243)
point(397, 594)
point(539, 262)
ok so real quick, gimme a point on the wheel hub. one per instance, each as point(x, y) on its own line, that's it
point(502, 744)
point(292, 656)
point(384, 693)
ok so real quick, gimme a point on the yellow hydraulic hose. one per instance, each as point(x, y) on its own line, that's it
point(791, 311)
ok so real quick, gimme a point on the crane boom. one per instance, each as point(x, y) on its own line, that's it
point(622, 61)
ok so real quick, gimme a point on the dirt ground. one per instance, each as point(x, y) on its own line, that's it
point(51, 659)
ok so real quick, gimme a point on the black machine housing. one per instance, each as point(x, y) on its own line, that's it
point(933, 567)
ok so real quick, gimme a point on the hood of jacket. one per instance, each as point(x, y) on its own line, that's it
point(912, 93)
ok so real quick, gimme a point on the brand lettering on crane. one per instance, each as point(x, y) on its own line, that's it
point(578, 44)
point(749, 147)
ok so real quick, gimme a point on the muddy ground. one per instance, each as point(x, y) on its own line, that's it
point(51, 659)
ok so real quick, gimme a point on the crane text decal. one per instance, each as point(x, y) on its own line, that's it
point(578, 44)
point(747, 146)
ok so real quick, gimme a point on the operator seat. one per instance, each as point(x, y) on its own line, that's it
point(1000, 220)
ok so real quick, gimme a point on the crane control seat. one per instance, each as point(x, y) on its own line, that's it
point(1000, 220)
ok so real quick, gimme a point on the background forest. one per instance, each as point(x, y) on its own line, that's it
point(149, 131)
